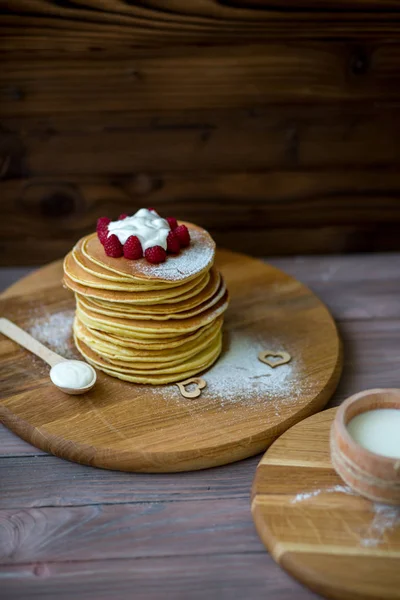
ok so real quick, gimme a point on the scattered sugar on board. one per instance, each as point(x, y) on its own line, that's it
point(189, 261)
point(385, 518)
point(344, 489)
point(239, 376)
point(54, 330)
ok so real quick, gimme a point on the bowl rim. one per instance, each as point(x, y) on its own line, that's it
point(341, 424)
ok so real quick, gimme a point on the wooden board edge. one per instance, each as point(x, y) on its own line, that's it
point(187, 462)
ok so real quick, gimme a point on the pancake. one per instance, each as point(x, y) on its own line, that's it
point(90, 267)
point(196, 361)
point(153, 345)
point(87, 279)
point(147, 323)
point(212, 287)
point(90, 279)
point(107, 348)
point(133, 327)
point(94, 273)
point(205, 360)
point(184, 291)
point(152, 360)
point(155, 316)
point(190, 263)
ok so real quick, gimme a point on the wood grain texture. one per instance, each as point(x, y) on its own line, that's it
point(259, 212)
point(63, 483)
point(12, 445)
point(364, 368)
point(356, 302)
point(140, 428)
point(198, 104)
point(171, 578)
point(339, 544)
point(31, 283)
point(29, 482)
point(207, 78)
point(148, 529)
point(148, 150)
point(97, 24)
point(277, 137)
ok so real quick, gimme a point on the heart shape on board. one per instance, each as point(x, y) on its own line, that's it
point(278, 358)
point(199, 384)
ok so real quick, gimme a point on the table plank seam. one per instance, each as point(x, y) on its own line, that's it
point(245, 496)
point(262, 551)
point(27, 455)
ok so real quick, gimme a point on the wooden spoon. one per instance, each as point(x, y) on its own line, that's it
point(25, 340)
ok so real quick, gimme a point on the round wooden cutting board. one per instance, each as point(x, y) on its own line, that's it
point(119, 425)
point(337, 543)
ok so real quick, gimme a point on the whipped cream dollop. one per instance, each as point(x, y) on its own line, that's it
point(72, 374)
point(146, 224)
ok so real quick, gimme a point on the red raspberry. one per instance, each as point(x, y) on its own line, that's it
point(173, 223)
point(151, 209)
point(122, 216)
point(173, 243)
point(183, 235)
point(155, 255)
point(102, 223)
point(133, 248)
point(102, 235)
point(113, 247)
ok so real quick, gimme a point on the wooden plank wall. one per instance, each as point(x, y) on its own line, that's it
point(274, 124)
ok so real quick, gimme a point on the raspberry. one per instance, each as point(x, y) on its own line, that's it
point(172, 222)
point(173, 243)
point(151, 209)
point(133, 248)
point(102, 235)
point(102, 223)
point(113, 247)
point(183, 235)
point(122, 216)
point(155, 255)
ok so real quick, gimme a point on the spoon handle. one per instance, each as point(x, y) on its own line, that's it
point(23, 338)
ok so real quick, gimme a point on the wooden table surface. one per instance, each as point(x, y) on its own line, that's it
point(73, 531)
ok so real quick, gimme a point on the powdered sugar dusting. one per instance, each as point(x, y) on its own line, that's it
point(386, 519)
point(55, 331)
point(238, 377)
point(194, 259)
point(344, 489)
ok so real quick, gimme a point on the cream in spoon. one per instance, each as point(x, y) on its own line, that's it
point(72, 374)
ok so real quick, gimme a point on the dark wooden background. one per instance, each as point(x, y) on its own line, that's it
point(274, 124)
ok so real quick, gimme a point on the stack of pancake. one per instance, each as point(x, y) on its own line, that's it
point(147, 323)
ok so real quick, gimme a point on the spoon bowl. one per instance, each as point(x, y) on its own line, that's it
point(73, 390)
point(57, 363)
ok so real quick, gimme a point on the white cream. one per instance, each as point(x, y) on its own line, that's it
point(72, 374)
point(147, 225)
point(378, 431)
